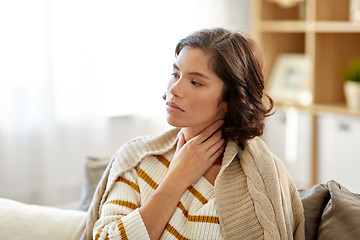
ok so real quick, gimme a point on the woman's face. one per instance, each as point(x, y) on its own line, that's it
point(194, 91)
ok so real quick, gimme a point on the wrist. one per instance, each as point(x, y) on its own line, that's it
point(176, 184)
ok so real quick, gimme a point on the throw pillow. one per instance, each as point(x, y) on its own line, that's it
point(94, 169)
point(341, 217)
point(314, 201)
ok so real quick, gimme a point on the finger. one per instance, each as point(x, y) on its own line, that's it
point(207, 132)
point(181, 141)
point(215, 147)
point(212, 140)
point(217, 154)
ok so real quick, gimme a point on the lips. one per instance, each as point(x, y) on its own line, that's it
point(173, 107)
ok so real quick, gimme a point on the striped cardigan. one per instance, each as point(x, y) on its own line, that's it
point(254, 197)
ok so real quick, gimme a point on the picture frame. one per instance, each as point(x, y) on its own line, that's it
point(289, 80)
point(354, 11)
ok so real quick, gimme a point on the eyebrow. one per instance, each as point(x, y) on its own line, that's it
point(198, 74)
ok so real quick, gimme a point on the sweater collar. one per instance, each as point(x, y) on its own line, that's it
point(231, 150)
point(230, 153)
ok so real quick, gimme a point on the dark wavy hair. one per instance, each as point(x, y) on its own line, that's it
point(238, 61)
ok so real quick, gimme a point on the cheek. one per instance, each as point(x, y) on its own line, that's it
point(206, 104)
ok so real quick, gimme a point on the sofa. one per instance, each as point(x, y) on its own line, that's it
point(331, 212)
point(20, 221)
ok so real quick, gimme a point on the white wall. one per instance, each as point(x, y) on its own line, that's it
point(51, 99)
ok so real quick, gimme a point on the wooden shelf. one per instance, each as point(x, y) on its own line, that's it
point(336, 109)
point(283, 26)
point(316, 109)
point(337, 27)
point(321, 30)
point(310, 26)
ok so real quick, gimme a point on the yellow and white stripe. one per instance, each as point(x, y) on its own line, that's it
point(195, 213)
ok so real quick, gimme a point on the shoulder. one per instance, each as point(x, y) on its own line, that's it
point(259, 150)
point(268, 174)
point(260, 156)
point(268, 161)
point(162, 140)
point(132, 152)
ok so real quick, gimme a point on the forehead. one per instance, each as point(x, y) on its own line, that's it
point(195, 62)
point(193, 58)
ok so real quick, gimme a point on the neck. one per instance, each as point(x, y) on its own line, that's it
point(190, 132)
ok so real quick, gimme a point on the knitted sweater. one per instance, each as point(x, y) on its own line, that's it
point(194, 218)
point(254, 196)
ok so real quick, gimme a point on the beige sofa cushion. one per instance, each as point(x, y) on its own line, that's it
point(23, 221)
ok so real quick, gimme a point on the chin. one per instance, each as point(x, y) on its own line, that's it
point(175, 122)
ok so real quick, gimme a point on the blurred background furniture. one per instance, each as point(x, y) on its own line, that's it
point(318, 141)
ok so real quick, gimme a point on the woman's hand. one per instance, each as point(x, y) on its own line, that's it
point(191, 160)
point(194, 157)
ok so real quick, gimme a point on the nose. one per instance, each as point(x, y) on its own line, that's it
point(177, 88)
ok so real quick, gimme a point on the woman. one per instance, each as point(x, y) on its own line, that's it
point(211, 177)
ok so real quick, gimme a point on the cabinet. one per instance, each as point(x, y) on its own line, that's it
point(321, 30)
point(286, 133)
point(338, 150)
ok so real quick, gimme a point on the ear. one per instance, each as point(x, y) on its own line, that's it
point(224, 106)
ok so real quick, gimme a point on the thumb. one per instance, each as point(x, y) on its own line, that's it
point(181, 141)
